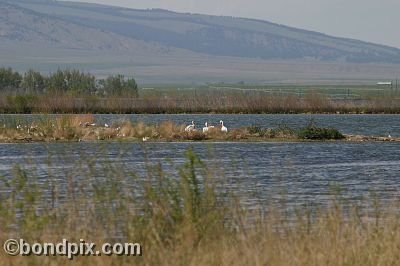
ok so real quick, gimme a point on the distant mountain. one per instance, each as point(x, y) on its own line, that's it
point(78, 33)
point(21, 23)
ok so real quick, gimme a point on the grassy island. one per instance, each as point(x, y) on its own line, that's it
point(84, 128)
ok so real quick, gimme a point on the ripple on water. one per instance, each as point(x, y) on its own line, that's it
point(304, 171)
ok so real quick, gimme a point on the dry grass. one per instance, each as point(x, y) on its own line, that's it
point(207, 102)
point(331, 240)
point(185, 220)
point(83, 127)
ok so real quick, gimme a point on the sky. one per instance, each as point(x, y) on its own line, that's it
point(368, 20)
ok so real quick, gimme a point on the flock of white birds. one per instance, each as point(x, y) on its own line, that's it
point(206, 128)
point(189, 128)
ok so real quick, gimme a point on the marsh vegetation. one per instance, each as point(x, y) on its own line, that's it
point(73, 91)
point(188, 217)
point(84, 128)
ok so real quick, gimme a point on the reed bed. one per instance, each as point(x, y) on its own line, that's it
point(187, 217)
point(210, 102)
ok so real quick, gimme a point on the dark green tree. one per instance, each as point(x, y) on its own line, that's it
point(72, 81)
point(79, 83)
point(9, 79)
point(118, 85)
point(33, 82)
point(56, 82)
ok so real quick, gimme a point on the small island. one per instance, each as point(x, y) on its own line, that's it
point(76, 128)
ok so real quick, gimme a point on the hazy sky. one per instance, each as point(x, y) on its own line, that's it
point(370, 20)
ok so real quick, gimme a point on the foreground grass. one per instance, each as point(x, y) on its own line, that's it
point(189, 217)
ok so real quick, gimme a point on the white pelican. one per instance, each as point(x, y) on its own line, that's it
point(106, 125)
point(145, 139)
point(205, 129)
point(223, 128)
point(87, 124)
point(190, 127)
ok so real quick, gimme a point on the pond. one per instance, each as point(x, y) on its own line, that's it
point(305, 172)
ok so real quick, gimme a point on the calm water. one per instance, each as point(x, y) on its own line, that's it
point(305, 172)
point(377, 125)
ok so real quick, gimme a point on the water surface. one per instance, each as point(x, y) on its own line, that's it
point(377, 125)
point(305, 172)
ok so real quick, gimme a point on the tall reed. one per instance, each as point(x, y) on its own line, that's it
point(206, 102)
point(185, 217)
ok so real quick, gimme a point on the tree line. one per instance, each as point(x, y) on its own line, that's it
point(69, 81)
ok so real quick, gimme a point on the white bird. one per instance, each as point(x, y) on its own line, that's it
point(87, 124)
point(223, 128)
point(205, 129)
point(106, 125)
point(190, 127)
point(145, 139)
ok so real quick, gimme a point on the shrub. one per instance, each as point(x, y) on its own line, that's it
point(312, 131)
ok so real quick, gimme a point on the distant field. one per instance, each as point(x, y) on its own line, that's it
point(170, 67)
point(331, 91)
